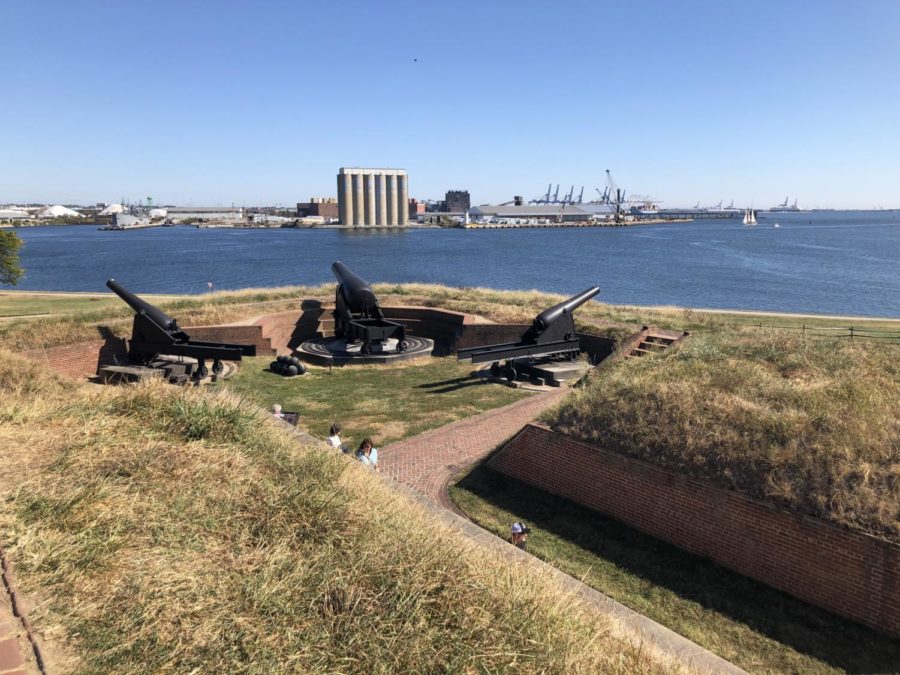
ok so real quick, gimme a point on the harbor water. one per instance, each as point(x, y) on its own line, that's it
point(830, 262)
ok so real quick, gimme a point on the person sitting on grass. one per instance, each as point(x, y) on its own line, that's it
point(519, 535)
point(334, 438)
point(367, 454)
point(276, 411)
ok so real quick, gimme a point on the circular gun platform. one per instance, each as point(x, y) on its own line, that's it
point(328, 351)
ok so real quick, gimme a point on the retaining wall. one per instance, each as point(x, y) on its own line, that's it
point(83, 359)
point(847, 572)
point(241, 335)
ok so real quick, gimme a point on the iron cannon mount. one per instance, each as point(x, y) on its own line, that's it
point(359, 318)
point(551, 337)
point(155, 334)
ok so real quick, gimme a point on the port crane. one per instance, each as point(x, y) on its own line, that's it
point(568, 198)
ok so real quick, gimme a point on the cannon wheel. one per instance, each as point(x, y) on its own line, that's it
point(509, 372)
point(402, 346)
point(218, 367)
point(495, 369)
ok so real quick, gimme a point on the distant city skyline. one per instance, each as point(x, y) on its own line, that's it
point(261, 104)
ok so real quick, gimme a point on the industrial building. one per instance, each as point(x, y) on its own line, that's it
point(373, 197)
point(564, 213)
point(457, 200)
point(201, 213)
point(327, 207)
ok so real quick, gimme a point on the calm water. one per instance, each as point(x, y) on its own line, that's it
point(829, 262)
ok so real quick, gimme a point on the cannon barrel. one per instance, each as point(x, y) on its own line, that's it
point(358, 295)
point(550, 315)
point(155, 314)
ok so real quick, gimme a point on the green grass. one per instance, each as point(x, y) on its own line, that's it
point(756, 627)
point(26, 304)
point(164, 529)
point(386, 403)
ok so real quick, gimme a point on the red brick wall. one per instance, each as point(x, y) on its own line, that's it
point(286, 330)
point(241, 335)
point(83, 359)
point(846, 572)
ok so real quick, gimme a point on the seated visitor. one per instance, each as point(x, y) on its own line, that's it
point(367, 454)
point(519, 535)
point(276, 411)
point(334, 438)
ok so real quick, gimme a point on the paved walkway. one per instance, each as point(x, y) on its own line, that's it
point(15, 653)
point(427, 462)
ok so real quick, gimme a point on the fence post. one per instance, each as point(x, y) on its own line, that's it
point(851, 332)
point(803, 328)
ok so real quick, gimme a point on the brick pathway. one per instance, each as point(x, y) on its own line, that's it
point(427, 462)
point(12, 661)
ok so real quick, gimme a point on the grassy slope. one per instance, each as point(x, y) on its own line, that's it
point(812, 424)
point(174, 530)
point(754, 626)
point(386, 403)
point(512, 306)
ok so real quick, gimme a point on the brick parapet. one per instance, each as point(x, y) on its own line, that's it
point(81, 360)
point(847, 572)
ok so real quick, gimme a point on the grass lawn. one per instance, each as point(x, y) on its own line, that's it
point(386, 403)
point(755, 627)
point(23, 303)
point(27, 304)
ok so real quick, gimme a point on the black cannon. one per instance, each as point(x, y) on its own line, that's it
point(357, 316)
point(155, 334)
point(550, 336)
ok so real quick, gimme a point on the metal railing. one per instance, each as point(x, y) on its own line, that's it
point(850, 332)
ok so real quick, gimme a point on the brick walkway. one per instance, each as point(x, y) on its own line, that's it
point(12, 661)
point(427, 462)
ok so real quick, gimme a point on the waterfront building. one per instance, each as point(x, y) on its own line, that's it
point(457, 200)
point(326, 207)
point(416, 208)
point(373, 197)
point(193, 213)
point(566, 213)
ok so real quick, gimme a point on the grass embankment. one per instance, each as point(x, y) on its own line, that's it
point(116, 317)
point(810, 424)
point(386, 403)
point(617, 321)
point(79, 323)
point(751, 625)
point(164, 529)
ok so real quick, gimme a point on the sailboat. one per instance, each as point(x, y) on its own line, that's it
point(749, 217)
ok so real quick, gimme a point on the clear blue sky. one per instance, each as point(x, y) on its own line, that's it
point(261, 102)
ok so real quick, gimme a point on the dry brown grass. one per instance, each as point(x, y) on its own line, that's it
point(176, 530)
point(811, 424)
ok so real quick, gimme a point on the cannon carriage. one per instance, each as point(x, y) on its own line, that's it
point(359, 318)
point(155, 334)
point(551, 337)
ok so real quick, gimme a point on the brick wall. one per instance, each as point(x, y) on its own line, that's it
point(240, 335)
point(849, 573)
point(286, 330)
point(83, 359)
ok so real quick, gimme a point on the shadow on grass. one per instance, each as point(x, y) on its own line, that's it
point(776, 615)
point(451, 385)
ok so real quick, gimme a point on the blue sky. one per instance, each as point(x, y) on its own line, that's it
point(261, 102)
